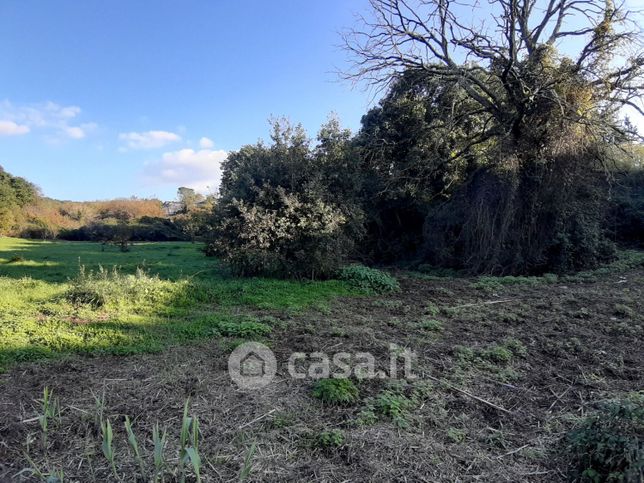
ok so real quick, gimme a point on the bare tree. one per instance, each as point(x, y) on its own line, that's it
point(501, 57)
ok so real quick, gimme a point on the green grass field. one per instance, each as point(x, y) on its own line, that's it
point(59, 298)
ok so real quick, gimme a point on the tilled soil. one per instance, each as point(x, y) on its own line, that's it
point(480, 418)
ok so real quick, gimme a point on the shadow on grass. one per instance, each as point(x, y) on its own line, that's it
point(57, 261)
point(114, 338)
point(115, 312)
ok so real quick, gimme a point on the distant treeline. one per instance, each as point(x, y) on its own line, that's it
point(25, 213)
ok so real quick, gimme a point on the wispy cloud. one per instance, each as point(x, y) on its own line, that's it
point(10, 128)
point(148, 139)
point(206, 143)
point(200, 170)
point(57, 121)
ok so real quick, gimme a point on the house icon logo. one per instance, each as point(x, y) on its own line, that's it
point(252, 365)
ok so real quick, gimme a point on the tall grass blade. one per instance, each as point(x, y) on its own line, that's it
point(248, 463)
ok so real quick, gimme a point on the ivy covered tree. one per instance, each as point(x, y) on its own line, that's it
point(541, 122)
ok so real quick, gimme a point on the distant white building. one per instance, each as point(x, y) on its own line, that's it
point(171, 208)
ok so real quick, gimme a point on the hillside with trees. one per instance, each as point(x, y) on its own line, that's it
point(25, 213)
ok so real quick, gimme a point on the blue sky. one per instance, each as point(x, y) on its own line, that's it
point(102, 99)
point(110, 99)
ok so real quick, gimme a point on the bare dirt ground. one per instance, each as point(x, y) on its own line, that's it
point(578, 343)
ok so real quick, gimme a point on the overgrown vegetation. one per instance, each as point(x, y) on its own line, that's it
point(489, 363)
point(15, 194)
point(515, 163)
point(330, 439)
point(609, 444)
point(369, 279)
point(336, 391)
point(26, 213)
point(283, 210)
point(61, 298)
point(394, 403)
point(490, 153)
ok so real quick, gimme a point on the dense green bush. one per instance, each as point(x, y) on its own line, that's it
point(282, 210)
point(411, 187)
point(526, 220)
point(608, 446)
point(532, 201)
point(369, 279)
point(407, 144)
point(39, 229)
point(282, 234)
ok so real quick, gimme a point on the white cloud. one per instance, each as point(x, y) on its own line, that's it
point(56, 120)
point(79, 132)
point(148, 139)
point(206, 143)
point(10, 128)
point(200, 170)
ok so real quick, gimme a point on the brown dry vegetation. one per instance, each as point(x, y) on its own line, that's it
point(58, 215)
point(545, 352)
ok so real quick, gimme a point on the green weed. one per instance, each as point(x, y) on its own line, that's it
point(330, 439)
point(134, 444)
point(159, 440)
point(336, 391)
point(432, 309)
point(394, 403)
point(282, 420)
point(609, 444)
point(395, 406)
point(50, 413)
point(368, 279)
point(245, 329)
point(247, 467)
point(107, 445)
point(431, 325)
point(456, 435)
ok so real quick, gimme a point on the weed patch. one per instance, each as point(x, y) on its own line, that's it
point(431, 325)
point(330, 439)
point(394, 403)
point(54, 305)
point(336, 391)
point(245, 329)
point(609, 445)
point(495, 358)
point(368, 279)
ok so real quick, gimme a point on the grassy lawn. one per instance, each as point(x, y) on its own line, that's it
point(58, 298)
